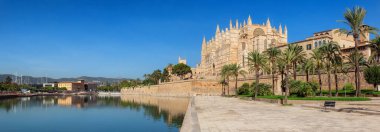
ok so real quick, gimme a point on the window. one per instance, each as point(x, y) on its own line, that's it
point(308, 47)
point(315, 45)
point(243, 61)
point(243, 46)
point(257, 46)
point(324, 41)
point(265, 44)
point(320, 43)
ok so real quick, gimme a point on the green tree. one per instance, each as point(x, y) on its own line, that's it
point(181, 70)
point(235, 71)
point(318, 60)
point(375, 48)
point(352, 59)
point(289, 56)
point(8, 80)
point(281, 70)
point(273, 53)
point(372, 76)
point(308, 67)
point(156, 76)
point(257, 62)
point(225, 74)
point(299, 58)
point(331, 53)
point(354, 19)
point(165, 75)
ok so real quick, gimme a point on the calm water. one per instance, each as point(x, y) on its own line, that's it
point(92, 113)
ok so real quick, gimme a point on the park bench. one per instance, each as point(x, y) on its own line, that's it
point(329, 104)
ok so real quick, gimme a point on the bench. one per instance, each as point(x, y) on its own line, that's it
point(329, 104)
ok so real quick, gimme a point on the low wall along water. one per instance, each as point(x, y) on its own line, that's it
point(211, 87)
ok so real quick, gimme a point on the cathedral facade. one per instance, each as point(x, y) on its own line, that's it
point(232, 45)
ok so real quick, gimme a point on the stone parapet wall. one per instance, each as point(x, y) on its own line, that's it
point(178, 88)
point(187, 88)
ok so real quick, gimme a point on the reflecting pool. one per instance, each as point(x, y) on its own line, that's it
point(92, 113)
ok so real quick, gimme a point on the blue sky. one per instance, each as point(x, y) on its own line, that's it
point(121, 38)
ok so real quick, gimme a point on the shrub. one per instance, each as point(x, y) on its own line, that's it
point(372, 75)
point(314, 86)
point(264, 89)
point(348, 86)
point(245, 89)
point(302, 89)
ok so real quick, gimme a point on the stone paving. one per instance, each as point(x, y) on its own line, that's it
point(221, 114)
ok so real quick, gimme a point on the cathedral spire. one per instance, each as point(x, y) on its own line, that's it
point(244, 23)
point(286, 31)
point(237, 24)
point(204, 41)
point(217, 29)
point(231, 24)
point(268, 23)
point(249, 20)
point(280, 29)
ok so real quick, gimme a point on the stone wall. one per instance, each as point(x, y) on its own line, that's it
point(212, 87)
point(178, 88)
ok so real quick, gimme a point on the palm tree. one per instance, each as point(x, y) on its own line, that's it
point(273, 54)
point(351, 64)
point(337, 65)
point(331, 53)
point(281, 70)
point(226, 73)
point(236, 70)
point(318, 62)
point(375, 47)
point(354, 19)
point(288, 58)
point(223, 83)
point(308, 67)
point(257, 62)
point(300, 57)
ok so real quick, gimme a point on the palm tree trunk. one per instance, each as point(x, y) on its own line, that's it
point(295, 71)
point(223, 89)
point(329, 82)
point(257, 82)
point(357, 70)
point(272, 79)
point(307, 76)
point(228, 86)
point(286, 85)
point(336, 83)
point(320, 82)
point(236, 81)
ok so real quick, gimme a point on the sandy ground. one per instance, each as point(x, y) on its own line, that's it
point(220, 114)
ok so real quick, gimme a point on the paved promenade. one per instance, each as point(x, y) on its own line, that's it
point(220, 114)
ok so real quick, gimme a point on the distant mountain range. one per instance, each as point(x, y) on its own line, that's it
point(39, 80)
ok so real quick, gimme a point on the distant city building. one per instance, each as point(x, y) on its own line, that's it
point(50, 85)
point(180, 60)
point(91, 86)
point(78, 86)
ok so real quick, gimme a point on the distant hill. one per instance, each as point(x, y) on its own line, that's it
point(39, 80)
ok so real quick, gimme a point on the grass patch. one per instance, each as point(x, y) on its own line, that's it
point(331, 98)
point(314, 98)
point(245, 95)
